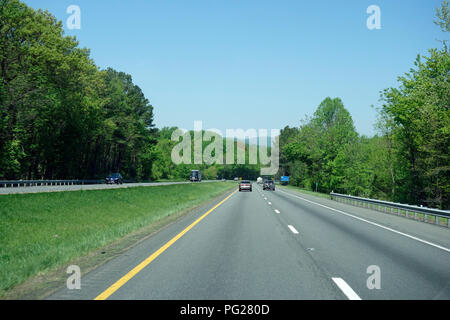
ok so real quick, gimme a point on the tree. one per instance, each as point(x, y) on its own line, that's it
point(61, 117)
point(443, 16)
point(318, 142)
point(419, 119)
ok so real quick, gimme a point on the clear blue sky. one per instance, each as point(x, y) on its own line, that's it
point(254, 64)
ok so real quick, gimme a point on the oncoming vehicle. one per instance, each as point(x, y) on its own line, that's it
point(196, 176)
point(260, 180)
point(269, 185)
point(245, 185)
point(115, 178)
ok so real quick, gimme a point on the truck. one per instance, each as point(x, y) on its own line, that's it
point(284, 180)
point(260, 180)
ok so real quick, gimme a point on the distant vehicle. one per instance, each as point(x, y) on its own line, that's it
point(260, 180)
point(115, 178)
point(284, 180)
point(196, 176)
point(245, 185)
point(236, 179)
point(269, 185)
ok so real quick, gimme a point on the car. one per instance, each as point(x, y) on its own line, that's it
point(269, 185)
point(115, 178)
point(245, 185)
point(196, 176)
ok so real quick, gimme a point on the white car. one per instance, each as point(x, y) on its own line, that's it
point(245, 185)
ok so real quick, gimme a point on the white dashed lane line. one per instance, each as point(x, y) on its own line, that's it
point(346, 289)
point(294, 231)
point(372, 223)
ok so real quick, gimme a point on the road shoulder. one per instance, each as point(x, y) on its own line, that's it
point(429, 232)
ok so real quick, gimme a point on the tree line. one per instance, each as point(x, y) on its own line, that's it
point(62, 117)
point(408, 160)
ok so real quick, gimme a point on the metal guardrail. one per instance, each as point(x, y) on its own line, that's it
point(32, 183)
point(35, 183)
point(409, 211)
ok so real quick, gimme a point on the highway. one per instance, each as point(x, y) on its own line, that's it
point(280, 245)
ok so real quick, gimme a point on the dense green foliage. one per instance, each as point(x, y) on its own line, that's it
point(164, 168)
point(416, 119)
point(62, 117)
point(408, 161)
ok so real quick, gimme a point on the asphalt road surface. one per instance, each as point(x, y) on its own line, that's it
point(279, 245)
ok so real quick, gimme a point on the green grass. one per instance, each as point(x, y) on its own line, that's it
point(312, 193)
point(40, 232)
point(170, 180)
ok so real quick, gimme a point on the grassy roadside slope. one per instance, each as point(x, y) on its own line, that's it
point(312, 193)
point(39, 232)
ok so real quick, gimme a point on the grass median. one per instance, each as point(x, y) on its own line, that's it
point(40, 232)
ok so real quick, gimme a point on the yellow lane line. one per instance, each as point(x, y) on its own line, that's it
point(108, 292)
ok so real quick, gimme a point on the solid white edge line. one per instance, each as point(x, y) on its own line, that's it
point(372, 223)
point(293, 229)
point(346, 289)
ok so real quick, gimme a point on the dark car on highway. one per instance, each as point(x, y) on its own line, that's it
point(269, 185)
point(245, 185)
point(115, 178)
point(196, 176)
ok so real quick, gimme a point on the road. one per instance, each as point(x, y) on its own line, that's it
point(279, 245)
